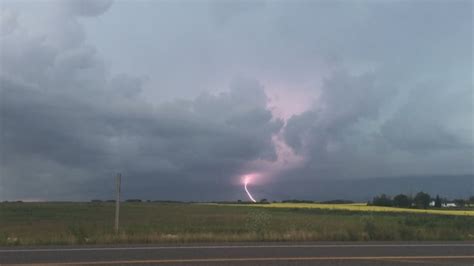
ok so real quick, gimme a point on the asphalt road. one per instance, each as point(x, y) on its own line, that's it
point(324, 253)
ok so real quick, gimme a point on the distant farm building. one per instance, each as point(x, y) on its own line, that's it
point(449, 205)
point(444, 205)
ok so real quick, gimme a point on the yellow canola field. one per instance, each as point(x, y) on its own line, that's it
point(363, 207)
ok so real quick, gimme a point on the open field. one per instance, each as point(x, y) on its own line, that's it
point(92, 223)
point(364, 208)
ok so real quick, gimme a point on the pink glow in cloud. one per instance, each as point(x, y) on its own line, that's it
point(283, 105)
point(262, 171)
point(286, 100)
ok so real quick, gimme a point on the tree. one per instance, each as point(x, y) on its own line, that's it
point(471, 200)
point(422, 200)
point(401, 200)
point(382, 200)
point(437, 202)
point(460, 202)
point(134, 200)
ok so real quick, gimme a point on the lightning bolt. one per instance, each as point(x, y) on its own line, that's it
point(248, 193)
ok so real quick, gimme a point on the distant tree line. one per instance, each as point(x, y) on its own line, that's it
point(421, 200)
point(297, 201)
point(140, 201)
point(336, 201)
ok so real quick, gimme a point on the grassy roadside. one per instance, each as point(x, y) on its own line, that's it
point(91, 223)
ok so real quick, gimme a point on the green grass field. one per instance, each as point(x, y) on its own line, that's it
point(92, 223)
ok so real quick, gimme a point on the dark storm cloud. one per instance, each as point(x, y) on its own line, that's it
point(409, 110)
point(389, 86)
point(433, 119)
point(205, 139)
point(66, 125)
point(344, 101)
point(362, 125)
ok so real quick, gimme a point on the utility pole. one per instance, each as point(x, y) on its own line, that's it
point(117, 201)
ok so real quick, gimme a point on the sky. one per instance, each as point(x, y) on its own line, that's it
point(187, 99)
